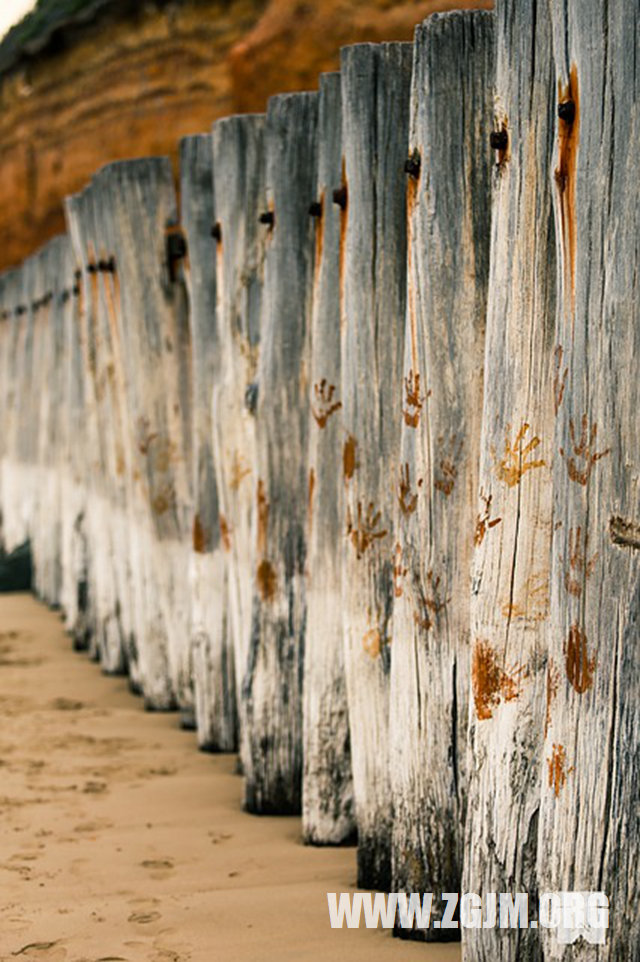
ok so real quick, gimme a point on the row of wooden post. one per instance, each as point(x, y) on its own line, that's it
point(341, 457)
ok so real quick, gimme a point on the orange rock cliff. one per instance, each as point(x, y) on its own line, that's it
point(132, 78)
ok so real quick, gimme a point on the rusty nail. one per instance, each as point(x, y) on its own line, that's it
point(216, 231)
point(176, 250)
point(412, 165)
point(499, 139)
point(267, 217)
point(176, 246)
point(567, 111)
point(315, 209)
point(340, 196)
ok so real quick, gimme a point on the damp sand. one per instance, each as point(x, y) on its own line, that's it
point(120, 841)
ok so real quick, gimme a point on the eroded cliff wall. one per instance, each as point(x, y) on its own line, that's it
point(139, 76)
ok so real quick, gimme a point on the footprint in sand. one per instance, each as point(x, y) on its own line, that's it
point(144, 918)
point(162, 771)
point(159, 868)
point(94, 788)
point(217, 837)
point(67, 704)
point(90, 828)
point(42, 952)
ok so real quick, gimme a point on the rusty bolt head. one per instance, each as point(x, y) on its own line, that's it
point(412, 165)
point(176, 245)
point(267, 217)
point(216, 231)
point(340, 197)
point(567, 111)
point(499, 139)
point(315, 209)
point(76, 290)
point(92, 268)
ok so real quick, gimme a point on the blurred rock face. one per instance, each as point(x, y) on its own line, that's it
point(142, 76)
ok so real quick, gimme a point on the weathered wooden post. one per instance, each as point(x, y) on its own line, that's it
point(376, 82)
point(17, 317)
point(73, 467)
point(327, 797)
point(10, 331)
point(238, 175)
point(273, 681)
point(152, 319)
point(46, 528)
point(105, 528)
point(213, 666)
point(510, 587)
point(589, 839)
point(448, 190)
point(22, 491)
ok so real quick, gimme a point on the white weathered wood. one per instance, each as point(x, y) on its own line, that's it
point(510, 588)
point(589, 827)
point(213, 665)
point(46, 528)
point(273, 680)
point(104, 449)
point(13, 525)
point(375, 123)
point(327, 798)
point(156, 358)
point(73, 467)
point(238, 174)
point(436, 478)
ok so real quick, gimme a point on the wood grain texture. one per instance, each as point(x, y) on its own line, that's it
point(375, 126)
point(238, 174)
point(327, 805)
point(106, 504)
point(213, 666)
point(511, 571)
point(74, 599)
point(436, 476)
point(155, 358)
point(46, 530)
point(273, 680)
point(591, 768)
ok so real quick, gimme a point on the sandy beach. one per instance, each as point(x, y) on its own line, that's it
point(120, 841)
